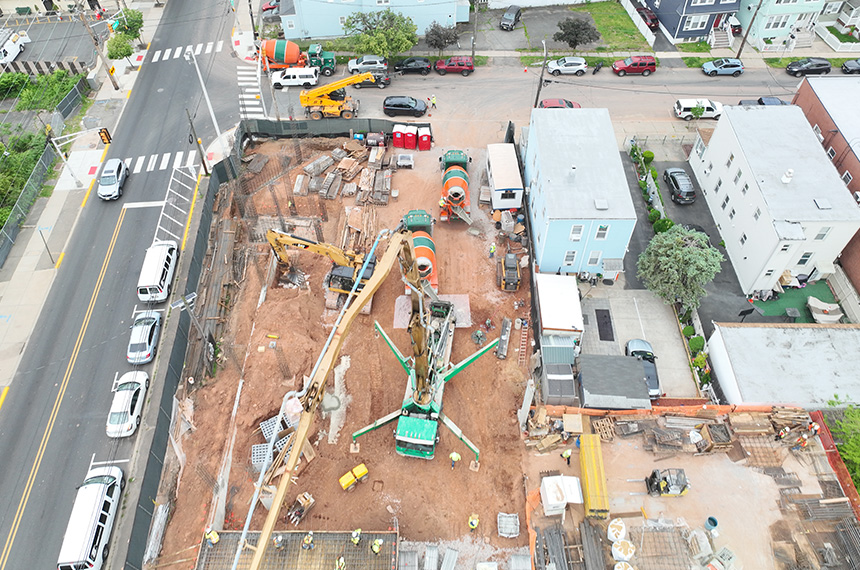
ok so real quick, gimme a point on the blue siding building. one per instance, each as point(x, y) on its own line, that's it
point(580, 207)
point(692, 20)
point(324, 19)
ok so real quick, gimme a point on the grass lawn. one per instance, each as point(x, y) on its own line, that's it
point(695, 61)
point(616, 30)
point(694, 47)
point(844, 38)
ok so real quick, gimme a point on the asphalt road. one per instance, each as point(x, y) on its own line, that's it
point(52, 421)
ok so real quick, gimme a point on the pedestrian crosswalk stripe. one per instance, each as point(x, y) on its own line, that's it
point(165, 160)
point(166, 54)
point(209, 47)
point(177, 162)
point(178, 53)
point(199, 49)
point(150, 166)
point(249, 96)
point(138, 165)
point(155, 56)
point(192, 157)
point(164, 163)
point(253, 116)
point(219, 46)
point(251, 90)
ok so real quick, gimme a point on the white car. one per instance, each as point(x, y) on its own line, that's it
point(367, 63)
point(129, 394)
point(683, 108)
point(567, 66)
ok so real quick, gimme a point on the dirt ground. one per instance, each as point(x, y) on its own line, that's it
point(426, 499)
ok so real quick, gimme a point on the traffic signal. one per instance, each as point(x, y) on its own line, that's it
point(105, 136)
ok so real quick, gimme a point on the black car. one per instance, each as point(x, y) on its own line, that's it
point(851, 66)
point(510, 18)
point(680, 186)
point(763, 101)
point(379, 80)
point(420, 65)
point(807, 66)
point(401, 105)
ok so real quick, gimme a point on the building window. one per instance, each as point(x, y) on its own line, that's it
point(847, 178)
point(786, 1)
point(831, 8)
point(757, 214)
point(700, 147)
point(744, 189)
point(725, 203)
point(817, 130)
point(729, 161)
point(569, 258)
point(822, 233)
point(743, 239)
point(291, 25)
point(732, 214)
point(698, 22)
point(601, 232)
point(768, 273)
point(342, 20)
point(785, 247)
point(576, 233)
point(773, 22)
point(831, 153)
point(717, 186)
point(383, 2)
point(594, 258)
point(701, 2)
point(804, 259)
point(738, 176)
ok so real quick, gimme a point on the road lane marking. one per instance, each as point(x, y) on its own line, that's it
point(60, 259)
point(178, 53)
point(139, 164)
point(219, 46)
point(3, 396)
point(34, 470)
point(129, 205)
point(199, 49)
point(165, 160)
point(190, 213)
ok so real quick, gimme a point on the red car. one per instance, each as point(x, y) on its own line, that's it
point(271, 5)
point(650, 18)
point(558, 104)
point(461, 64)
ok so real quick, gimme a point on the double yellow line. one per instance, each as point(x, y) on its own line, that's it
point(34, 470)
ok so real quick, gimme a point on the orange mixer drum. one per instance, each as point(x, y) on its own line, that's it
point(425, 258)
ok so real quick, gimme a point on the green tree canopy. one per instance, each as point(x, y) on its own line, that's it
point(119, 46)
point(439, 37)
point(129, 22)
point(677, 264)
point(847, 434)
point(384, 33)
point(575, 32)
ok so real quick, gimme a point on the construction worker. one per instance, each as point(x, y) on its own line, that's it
point(433, 101)
point(566, 455)
point(473, 522)
point(356, 536)
point(454, 457)
point(211, 537)
point(376, 546)
point(340, 564)
point(801, 442)
point(278, 542)
point(492, 250)
point(814, 428)
point(783, 433)
point(442, 203)
point(308, 541)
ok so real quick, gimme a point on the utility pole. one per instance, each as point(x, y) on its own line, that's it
point(543, 67)
point(97, 47)
point(749, 29)
point(253, 24)
point(475, 31)
point(199, 143)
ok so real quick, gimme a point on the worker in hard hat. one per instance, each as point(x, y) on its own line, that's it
point(211, 537)
point(814, 428)
point(278, 542)
point(801, 442)
point(566, 455)
point(454, 457)
point(340, 564)
point(376, 546)
point(473, 522)
point(356, 536)
point(442, 202)
point(308, 541)
point(783, 433)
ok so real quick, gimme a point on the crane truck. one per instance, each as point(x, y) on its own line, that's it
point(331, 100)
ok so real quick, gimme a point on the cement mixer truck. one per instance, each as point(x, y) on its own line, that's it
point(283, 54)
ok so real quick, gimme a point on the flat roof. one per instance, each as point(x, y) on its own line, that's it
point(775, 139)
point(839, 96)
point(802, 364)
point(559, 306)
point(580, 165)
point(613, 382)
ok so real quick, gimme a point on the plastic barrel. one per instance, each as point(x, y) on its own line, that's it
point(711, 523)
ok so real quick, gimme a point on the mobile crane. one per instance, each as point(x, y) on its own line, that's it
point(331, 100)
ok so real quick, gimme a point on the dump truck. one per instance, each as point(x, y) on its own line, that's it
point(331, 100)
point(324, 60)
point(281, 54)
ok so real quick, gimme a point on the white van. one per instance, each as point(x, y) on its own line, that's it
point(295, 76)
point(12, 44)
point(87, 538)
point(156, 275)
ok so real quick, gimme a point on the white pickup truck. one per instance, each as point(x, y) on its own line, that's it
point(11, 44)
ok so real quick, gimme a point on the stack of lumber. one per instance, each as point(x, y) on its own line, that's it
point(349, 167)
point(365, 185)
point(377, 156)
point(750, 423)
point(381, 189)
point(331, 185)
point(718, 436)
point(782, 416)
point(359, 229)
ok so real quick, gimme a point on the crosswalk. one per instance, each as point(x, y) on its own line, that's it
point(161, 161)
point(176, 53)
point(250, 103)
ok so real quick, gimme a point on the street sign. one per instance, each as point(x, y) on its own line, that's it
point(111, 70)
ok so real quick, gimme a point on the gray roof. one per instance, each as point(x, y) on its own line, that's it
point(839, 96)
point(287, 8)
point(613, 383)
point(775, 139)
point(584, 139)
point(801, 364)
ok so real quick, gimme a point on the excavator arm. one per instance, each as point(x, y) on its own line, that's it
point(280, 241)
point(312, 96)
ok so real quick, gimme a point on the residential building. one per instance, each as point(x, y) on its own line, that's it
point(302, 19)
point(694, 20)
point(842, 15)
point(804, 365)
point(778, 203)
point(580, 207)
point(780, 25)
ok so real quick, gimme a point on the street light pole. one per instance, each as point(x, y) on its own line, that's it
point(191, 58)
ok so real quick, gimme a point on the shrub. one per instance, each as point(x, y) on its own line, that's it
point(663, 225)
point(643, 186)
point(704, 379)
point(12, 83)
point(653, 216)
point(634, 152)
point(647, 157)
point(654, 174)
point(701, 361)
point(689, 331)
point(697, 343)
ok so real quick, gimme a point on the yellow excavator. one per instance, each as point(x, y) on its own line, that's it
point(346, 265)
point(331, 100)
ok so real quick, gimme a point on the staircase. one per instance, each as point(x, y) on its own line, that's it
point(720, 39)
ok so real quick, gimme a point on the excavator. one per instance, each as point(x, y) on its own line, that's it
point(331, 100)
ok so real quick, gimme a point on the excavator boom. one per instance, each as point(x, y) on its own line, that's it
point(280, 241)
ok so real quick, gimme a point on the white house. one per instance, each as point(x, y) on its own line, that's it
point(777, 200)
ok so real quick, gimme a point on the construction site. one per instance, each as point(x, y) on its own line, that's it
point(349, 279)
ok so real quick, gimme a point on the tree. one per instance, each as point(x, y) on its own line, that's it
point(697, 112)
point(677, 264)
point(439, 37)
point(384, 33)
point(575, 32)
point(847, 434)
point(119, 46)
point(129, 22)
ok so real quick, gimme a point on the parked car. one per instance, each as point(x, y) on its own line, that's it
point(723, 66)
point(461, 64)
point(735, 25)
point(558, 104)
point(681, 189)
point(271, 5)
point(129, 394)
point(380, 80)
point(643, 350)
point(367, 63)
point(807, 66)
point(650, 18)
point(635, 64)
point(510, 18)
point(402, 105)
point(420, 65)
point(144, 337)
point(567, 66)
point(763, 101)
point(114, 175)
point(683, 108)
point(851, 66)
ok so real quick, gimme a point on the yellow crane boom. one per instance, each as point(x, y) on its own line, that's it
point(323, 101)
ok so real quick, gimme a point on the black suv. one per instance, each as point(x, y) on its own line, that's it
point(680, 186)
point(510, 18)
point(414, 65)
point(807, 66)
point(401, 105)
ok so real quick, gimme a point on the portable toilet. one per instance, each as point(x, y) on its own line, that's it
point(424, 138)
point(397, 136)
point(410, 136)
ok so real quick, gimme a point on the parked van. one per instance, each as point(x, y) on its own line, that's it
point(503, 172)
point(156, 275)
point(87, 538)
point(683, 108)
point(12, 44)
point(296, 76)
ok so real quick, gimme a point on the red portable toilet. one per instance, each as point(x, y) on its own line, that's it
point(424, 138)
point(410, 137)
point(397, 136)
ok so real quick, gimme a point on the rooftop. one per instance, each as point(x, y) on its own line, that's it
point(839, 96)
point(578, 156)
point(815, 191)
